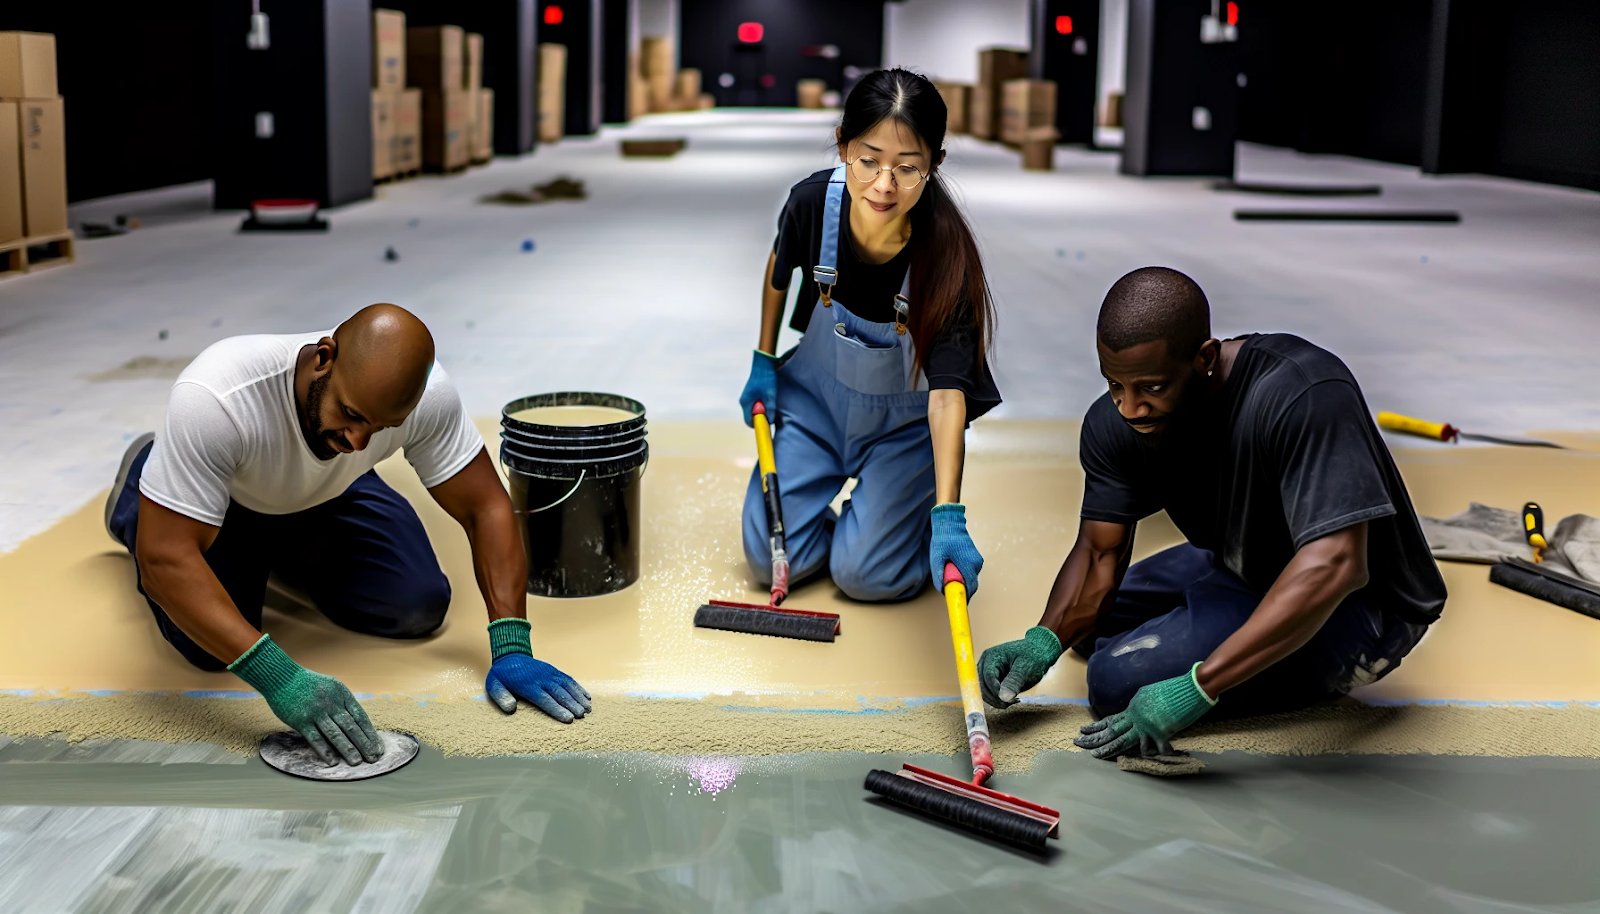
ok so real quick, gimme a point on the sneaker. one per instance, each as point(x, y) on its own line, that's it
point(128, 457)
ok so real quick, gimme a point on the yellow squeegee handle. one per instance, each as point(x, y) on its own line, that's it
point(764, 440)
point(1438, 431)
point(955, 599)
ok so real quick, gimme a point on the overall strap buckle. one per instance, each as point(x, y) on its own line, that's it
point(825, 278)
point(902, 313)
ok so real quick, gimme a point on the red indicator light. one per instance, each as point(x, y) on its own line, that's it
point(751, 32)
point(1063, 25)
point(768, 81)
point(1233, 14)
point(553, 15)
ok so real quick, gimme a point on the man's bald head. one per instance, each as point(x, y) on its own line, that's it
point(383, 358)
point(1155, 303)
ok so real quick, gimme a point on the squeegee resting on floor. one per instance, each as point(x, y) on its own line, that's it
point(755, 618)
point(969, 806)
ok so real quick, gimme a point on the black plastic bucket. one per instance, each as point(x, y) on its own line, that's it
point(575, 489)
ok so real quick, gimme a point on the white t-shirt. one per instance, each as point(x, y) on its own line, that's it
point(233, 432)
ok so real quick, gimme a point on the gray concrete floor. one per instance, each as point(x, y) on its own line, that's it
point(643, 833)
point(649, 288)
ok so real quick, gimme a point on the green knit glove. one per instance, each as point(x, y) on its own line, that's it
point(1017, 666)
point(1157, 712)
point(317, 707)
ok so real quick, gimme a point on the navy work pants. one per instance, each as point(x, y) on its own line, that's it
point(1176, 607)
point(363, 558)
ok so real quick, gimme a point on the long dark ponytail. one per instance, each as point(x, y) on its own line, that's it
point(948, 288)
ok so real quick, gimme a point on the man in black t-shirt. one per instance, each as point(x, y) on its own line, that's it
point(1306, 572)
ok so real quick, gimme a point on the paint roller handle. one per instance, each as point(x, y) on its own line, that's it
point(776, 542)
point(955, 597)
point(1438, 431)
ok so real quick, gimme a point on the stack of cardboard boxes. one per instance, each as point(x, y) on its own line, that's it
point(396, 110)
point(480, 127)
point(1028, 121)
point(996, 67)
point(33, 150)
point(552, 92)
point(666, 88)
point(957, 98)
point(434, 65)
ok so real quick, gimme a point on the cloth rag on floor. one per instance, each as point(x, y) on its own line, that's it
point(1486, 535)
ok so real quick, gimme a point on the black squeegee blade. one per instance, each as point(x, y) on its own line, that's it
point(774, 622)
point(1537, 585)
point(960, 811)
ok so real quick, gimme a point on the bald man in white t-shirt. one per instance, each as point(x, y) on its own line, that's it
point(265, 465)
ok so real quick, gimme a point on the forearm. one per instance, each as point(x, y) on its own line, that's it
point(499, 562)
point(947, 424)
point(187, 590)
point(1087, 581)
point(1299, 602)
point(771, 310)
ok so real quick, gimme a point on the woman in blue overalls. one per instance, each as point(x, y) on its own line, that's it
point(892, 365)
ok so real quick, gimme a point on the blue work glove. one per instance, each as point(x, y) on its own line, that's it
point(952, 544)
point(515, 674)
point(763, 386)
point(1157, 712)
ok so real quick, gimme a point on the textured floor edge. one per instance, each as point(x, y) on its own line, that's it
point(472, 727)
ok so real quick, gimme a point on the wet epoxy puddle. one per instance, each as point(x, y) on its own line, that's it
point(795, 833)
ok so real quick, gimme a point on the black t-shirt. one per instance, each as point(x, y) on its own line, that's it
point(1285, 454)
point(868, 290)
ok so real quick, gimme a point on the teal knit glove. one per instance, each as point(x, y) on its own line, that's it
point(1017, 666)
point(1157, 712)
point(317, 707)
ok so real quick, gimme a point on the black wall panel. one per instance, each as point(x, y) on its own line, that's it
point(709, 41)
point(1071, 59)
point(1171, 74)
point(138, 89)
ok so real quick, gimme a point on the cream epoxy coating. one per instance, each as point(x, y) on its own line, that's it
point(73, 619)
point(573, 415)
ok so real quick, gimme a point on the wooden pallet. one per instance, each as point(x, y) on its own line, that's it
point(37, 252)
point(398, 176)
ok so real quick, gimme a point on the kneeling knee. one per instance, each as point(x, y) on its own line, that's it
point(419, 612)
point(868, 585)
point(1111, 684)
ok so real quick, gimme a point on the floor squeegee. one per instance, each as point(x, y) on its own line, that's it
point(968, 805)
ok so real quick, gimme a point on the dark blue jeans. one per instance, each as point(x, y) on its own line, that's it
point(363, 558)
point(1176, 607)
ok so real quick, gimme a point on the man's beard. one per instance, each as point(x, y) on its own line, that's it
point(1177, 428)
point(316, 437)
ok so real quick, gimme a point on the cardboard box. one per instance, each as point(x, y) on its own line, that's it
point(996, 66)
point(433, 58)
point(810, 92)
point(28, 65)
point(1111, 115)
point(956, 97)
point(44, 165)
point(686, 90)
point(655, 56)
point(474, 62)
point(483, 136)
point(706, 102)
point(660, 90)
point(388, 50)
point(10, 174)
point(1039, 148)
point(1025, 104)
point(552, 92)
point(638, 89)
point(382, 133)
point(405, 150)
point(446, 136)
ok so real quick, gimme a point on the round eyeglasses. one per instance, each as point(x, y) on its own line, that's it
point(865, 169)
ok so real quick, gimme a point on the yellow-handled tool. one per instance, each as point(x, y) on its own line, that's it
point(955, 599)
point(769, 490)
point(1444, 431)
point(1533, 529)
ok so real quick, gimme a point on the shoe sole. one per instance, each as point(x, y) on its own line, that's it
point(128, 457)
